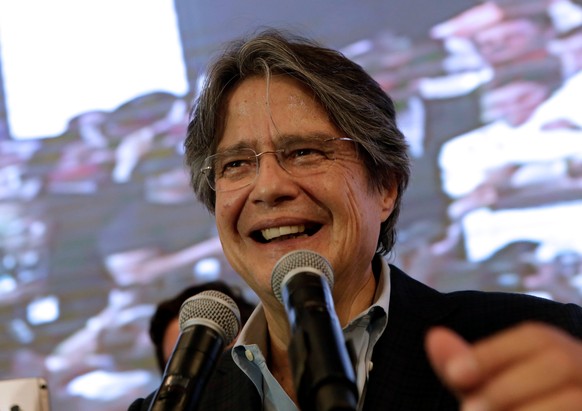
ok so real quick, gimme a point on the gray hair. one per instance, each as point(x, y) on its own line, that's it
point(354, 101)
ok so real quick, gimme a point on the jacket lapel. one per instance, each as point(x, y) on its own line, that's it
point(230, 389)
point(401, 378)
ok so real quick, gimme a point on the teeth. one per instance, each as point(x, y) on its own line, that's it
point(270, 233)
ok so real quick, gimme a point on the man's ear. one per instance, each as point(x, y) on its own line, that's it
point(387, 201)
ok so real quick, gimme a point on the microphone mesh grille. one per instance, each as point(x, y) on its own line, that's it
point(299, 259)
point(214, 307)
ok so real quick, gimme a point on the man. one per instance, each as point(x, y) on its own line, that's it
point(293, 146)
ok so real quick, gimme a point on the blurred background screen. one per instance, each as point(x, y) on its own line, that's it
point(98, 223)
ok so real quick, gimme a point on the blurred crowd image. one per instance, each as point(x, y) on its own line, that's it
point(99, 224)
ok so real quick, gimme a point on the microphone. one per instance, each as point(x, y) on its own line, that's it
point(323, 373)
point(209, 321)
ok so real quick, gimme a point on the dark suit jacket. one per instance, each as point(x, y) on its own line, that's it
point(401, 378)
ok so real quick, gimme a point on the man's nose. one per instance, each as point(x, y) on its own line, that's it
point(269, 165)
point(273, 183)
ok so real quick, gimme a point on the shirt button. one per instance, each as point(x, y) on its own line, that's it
point(249, 355)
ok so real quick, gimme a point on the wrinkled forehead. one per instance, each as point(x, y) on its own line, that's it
point(262, 107)
point(263, 91)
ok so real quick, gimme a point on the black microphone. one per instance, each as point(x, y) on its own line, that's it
point(323, 373)
point(209, 321)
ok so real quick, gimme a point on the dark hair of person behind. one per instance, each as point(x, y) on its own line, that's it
point(354, 101)
point(169, 309)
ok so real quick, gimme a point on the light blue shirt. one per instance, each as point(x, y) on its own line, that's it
point(362, 333)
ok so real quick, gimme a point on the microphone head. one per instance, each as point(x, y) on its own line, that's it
point(212, 309)
point(299, 261)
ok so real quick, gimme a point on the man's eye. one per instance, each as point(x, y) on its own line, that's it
point(235, 166)
point(306, 152)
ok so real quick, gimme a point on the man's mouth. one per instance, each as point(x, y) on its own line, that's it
point(285, 232)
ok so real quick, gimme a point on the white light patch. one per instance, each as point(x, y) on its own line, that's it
point(21, 331)
point(7, 284)
point(207, 269)
point(66, 57)
point(43, 310)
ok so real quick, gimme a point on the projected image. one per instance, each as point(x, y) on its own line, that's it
point(496, 193)
point(98, 223)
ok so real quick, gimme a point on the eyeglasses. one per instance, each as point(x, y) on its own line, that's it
point(234, 169)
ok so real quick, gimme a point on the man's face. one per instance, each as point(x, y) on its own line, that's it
point(170, 337)
point(340, 212)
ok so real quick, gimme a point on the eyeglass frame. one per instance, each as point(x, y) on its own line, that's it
point(208, 170)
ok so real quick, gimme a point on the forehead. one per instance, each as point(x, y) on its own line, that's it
point(268, 108)
point(260, 89)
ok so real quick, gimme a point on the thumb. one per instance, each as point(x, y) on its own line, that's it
point(452, 359)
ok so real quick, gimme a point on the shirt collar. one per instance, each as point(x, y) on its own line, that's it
point(251, 348)
point(255, 330)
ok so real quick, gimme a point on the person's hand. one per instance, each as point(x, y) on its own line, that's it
point(470, 21)
point(509, 40)
point(531, 367)
point(569, 49)
point(498, 38)
point(514, 102)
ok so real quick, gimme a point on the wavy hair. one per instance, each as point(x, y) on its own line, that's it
point(354, 101)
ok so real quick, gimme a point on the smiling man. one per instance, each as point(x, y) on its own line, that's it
point(293, 146)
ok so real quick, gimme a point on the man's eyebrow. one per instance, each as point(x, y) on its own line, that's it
point(286, 138)
point(235, 147)
point(278, 140)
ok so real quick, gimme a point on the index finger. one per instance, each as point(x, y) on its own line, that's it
point(502, 350)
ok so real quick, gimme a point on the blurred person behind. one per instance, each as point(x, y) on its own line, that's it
point(165, 327)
